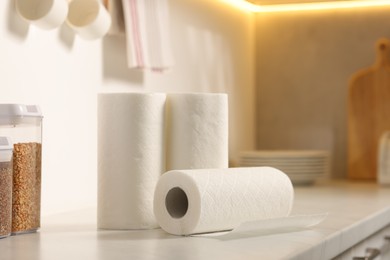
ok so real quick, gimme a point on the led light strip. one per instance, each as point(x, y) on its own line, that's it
point(247, 6)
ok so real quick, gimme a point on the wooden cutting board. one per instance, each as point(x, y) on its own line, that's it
point(368, 114)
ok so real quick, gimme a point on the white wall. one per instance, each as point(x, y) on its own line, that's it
point(213, 45)
point(304, 62)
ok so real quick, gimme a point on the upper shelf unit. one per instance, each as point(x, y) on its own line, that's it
point(278, 2)
point(267, 6)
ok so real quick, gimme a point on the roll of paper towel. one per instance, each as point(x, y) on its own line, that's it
point(197, 201)
point(130, 158)
point(197, 131)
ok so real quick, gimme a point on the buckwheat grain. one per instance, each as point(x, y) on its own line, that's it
point(5, 198)
point(26, 199)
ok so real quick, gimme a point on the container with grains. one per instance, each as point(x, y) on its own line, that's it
point(23, 124)
point(5, 186)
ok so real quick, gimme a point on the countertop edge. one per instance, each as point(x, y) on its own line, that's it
point(346, 238)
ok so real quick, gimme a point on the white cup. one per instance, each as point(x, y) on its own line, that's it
point(89, 19)
point(46, 14)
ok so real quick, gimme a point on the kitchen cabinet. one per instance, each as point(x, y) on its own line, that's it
point(376, 246)
point(276, 2)
point(357, 211)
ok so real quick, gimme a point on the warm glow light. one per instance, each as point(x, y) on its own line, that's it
point(244, 5)
point(306, 6)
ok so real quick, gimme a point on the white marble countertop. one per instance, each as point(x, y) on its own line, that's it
point(356, 210)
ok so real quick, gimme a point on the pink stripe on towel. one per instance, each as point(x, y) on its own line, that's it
point(136, 33)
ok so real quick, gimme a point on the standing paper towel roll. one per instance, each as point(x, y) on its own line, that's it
point(198, 201)
point(197, 131)
point(130, 158)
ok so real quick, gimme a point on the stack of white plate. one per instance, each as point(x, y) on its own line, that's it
point(303, 167)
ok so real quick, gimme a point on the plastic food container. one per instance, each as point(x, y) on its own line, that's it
point(23, 124)
point(5, 186)
point(384, 159)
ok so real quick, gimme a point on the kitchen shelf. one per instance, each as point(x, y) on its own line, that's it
point(356, 211)
point(278, 2)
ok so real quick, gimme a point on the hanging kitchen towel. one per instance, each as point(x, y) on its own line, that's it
point(197, 129)
point(130, 158)
point(147, 34)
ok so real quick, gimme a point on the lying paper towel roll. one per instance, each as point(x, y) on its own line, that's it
point(198, 201)
point(130, 158)
point(197, 131)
